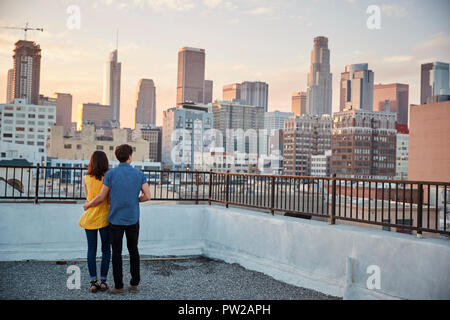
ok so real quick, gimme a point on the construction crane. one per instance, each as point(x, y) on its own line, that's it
point(24, 29)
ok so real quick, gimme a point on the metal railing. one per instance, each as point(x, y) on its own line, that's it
point(38, 183)
point(405, 206)
point(401, 206)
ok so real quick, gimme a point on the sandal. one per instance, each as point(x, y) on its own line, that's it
point(94, 286)
point(103, 286)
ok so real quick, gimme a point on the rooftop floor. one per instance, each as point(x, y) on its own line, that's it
point(193, 278)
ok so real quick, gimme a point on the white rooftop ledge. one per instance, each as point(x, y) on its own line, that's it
point(332, 259)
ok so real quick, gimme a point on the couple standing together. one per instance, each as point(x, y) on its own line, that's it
point(112, 209)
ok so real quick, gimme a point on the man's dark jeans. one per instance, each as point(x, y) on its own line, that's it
point(116, 236)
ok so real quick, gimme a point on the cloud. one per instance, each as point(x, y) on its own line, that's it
point(437, 48)
point(394, 10)
point(398, 59)
point(177, 5)
point(260, 10)
point(212, 3)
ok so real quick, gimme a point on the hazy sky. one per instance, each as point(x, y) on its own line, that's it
point(262, 40)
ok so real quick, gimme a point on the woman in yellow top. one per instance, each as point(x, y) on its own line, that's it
point(96, 219)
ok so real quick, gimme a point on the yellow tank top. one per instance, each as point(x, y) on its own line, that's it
point(94, 217)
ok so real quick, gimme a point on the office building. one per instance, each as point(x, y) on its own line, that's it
point(82, 146)
point(320, 164)
point(208, 92)
point(23, 124)
point(319, 79)
point(145, 112)
point(153, 135)
point(434, 81)
point(429, 142)
point(94, 113)
point(255, 93)
point(299, 106)
point(184, 135)
point(231, 92)
point(356, 88)
point(392, 98)
point(27, 69)
point(111, 87)
point(191, 75)
point(402, 152)
point(64, 111)
point(363, 144)
point(239, 125)
point(303, 137)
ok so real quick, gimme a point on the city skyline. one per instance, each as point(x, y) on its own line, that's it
point(284, 65)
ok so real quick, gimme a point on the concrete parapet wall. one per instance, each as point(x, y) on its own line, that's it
point(332, 259)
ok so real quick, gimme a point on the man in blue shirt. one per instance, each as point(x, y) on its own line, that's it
point(124, 185)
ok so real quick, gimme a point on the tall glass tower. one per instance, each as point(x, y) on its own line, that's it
point(111, 87)
point(319, 79)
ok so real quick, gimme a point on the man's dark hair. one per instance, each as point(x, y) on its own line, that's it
point(123, 152)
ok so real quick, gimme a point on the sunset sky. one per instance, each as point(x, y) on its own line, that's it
point(262, 40)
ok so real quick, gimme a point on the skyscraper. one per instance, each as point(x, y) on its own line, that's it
point(299, 100)
point(255, 93)
point(64, 110)
point(208, 92)
point(357, 87)
point(392, 98)
point(191, 75)
point(434, 81)
point(111, 87)
point(319, 79)
point(27, 69)
point(231, 92)
point(9, 86)
point(145, 102)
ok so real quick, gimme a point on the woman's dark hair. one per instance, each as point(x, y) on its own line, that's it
point(123, 152)
point(98, 165)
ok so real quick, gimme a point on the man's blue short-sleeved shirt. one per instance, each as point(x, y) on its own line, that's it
point(125, 183)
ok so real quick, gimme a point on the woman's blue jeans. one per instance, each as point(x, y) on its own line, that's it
point(91, 236)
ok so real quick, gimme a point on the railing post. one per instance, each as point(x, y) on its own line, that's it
point(209, 187)
point(36, 192)
point(333, 201)
point(419, 210)
point(196, 187)
point(227, 187)
point(272, 196)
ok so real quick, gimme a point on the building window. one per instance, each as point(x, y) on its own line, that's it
point(99, 147)
point(78, 146)
point(111, 148)
point(67, 146)
point(31, 116)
